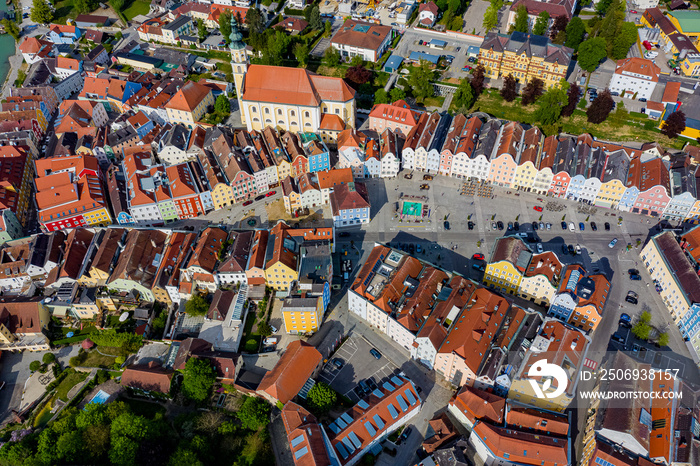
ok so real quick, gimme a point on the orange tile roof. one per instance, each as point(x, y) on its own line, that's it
point(513, 250)
point(398, 112)
point(476, 327)
point(293, 86)
point(68, 63)
point(34, 45)
point(331, 122)
point(510, 139)
point(469, 136)
point(207, 249)
point(148, 377)
point(361, 34)
point(418, 307)
point(335, 177)
point(523, 448)
point(280, 252)
point(350, 138)
point(639, 66)
point(478, 404)
point(671, 92)
point(304, 436)
point(537, 420)
point(656, 106)
point(547, 264)
point(294, 368)
point(188, 97)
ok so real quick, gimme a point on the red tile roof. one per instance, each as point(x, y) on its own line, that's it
point(188, 97)
point(305, 436)
point(295, 367)
point(478, 404)
point(349, 196)
point(148, 377)
point(523, 448)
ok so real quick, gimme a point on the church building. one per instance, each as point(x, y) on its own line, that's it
point(293, 99)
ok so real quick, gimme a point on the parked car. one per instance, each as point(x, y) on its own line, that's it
point(634, 12)
point(607, 226)
point(572, 227)
point(343, 234)
point(635, 277)
point(411, 248)
point(625, 320)
point(632, 297)
point(534, 226)
point(493, 225)
point(540, 250)
point(247, 203)
point(612, 243)
point(500, 225)
point(259, 198)
point(618, 338)
point(479, 266)
point(578, 249)
point(375, 353)
point(446, 224)
point(478, 256)
point(594, 227)
point(541, 226)
point(365, 388)
point(581, 226)
point(404, 435)
point(467, 68)
point(470, 225)
point(270, 193)
point(571, 249)
point(633, 272)
point(516, 225)
point(418, 248)
point(564, 249)
point(510, 226)
point(424, 187)
point(549, 226)
point(337, 362)
point(563, 225)
point(428, 177)
point(538, 208)
point(408, 176)
point(642, 99)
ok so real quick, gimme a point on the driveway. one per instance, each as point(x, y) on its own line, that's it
point(474, 17)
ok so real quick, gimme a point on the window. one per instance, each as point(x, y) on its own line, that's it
point(267, 111)
point(279, 111)
point(307, 114)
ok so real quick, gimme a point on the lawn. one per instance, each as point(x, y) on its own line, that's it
point(64, 10)
point(135, 8)
point(434, 101)
point(251, 341)
point(69, 382)
point(44, 415)
point(96, 359)
point(631, 130)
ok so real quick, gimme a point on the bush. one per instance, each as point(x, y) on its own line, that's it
point(34, 366)
point(119, 360)
point(48, 358)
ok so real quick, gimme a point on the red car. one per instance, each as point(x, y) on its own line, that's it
point(538, 208)
point(270, 193)
point(247, 203)
point(478, 256)
point(634, 12)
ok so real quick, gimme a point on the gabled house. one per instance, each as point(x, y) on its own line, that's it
point(299, 363)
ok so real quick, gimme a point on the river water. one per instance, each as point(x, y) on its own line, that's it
point(7, 49)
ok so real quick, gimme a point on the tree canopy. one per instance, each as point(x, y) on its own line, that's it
point(575, 31)
point(315, 19)
point(196, 305)
point(464, 96)
point(331, 56)
point(358, 75)
point(674, 124)
point(223, 106)
point(521, 20)
point(198, 379)
point(41, 13)
point(508, 91)
point(573, 94)
point(591, 52)
point(254, 413)
point(490, 18)
point(396, 93)
point(532, 91)
point(420, 81)
point(478, 75)
point(600, 108)
point(381, 97)
point(549, 106)
point(542, 24)
point(322, 398)
point(225, 25)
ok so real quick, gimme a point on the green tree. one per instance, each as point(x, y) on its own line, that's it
point(201, 29)
point(264, 329)
point(196, 305)
point(490, 18)
point(93, 414)
point(96, 439)
point(464, 96)
point(301, 53)
point(69, 446)
point(549, 106)
point(129, 425)
point(381, 97)
point(222, 106)
point(590, 53)
point(327, 29)
point(663, 339)
point(315, 19)
point(46, 446)
point(277, 45)
point(456, 23)
point(575, 31)
point(81, 6)
point(397, 93)
point(225, 24)
point(122, 451)
point(254, 413)
point(600, 108)
point(34, 366)
point(521, 20)
point(48, 358)
point(625, 38)
point(41, 13)
point(184, 457)
point(508, 91)
point(198, 379)
point(558, 28)
point(322, 398)
point(542, 24)
point(331, 57)
point(11, 28)
point(254, 21)
point(642, 328)
point(420, 81)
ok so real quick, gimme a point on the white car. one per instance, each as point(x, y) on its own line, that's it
point(572, 227)
point(612, 243)
point(539, 248)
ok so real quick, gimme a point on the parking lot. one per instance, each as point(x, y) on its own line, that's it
point(358, 364)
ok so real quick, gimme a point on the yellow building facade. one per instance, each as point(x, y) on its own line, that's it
point(222, 196)
point(302, 315)
point(279, 276)
point(504, 276)
point(537, 288)
point(524, 176)
point(610, 194)
point(525, 56)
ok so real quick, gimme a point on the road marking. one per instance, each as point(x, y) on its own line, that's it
point(591, 364)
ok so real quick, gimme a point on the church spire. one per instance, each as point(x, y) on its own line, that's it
point(236, 38)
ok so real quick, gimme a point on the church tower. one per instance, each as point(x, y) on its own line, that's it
point(239, 63)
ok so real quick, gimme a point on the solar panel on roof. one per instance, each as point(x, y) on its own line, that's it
point(402, 403)
point(334, 428)
point(355, 439)
point(346, 417)
point(378, 393)
point(341, 423)
point(363, 404)
point(409, 395)
point(361, 28)
point(392, 410)
point(301, 452)
point(296, 441)
point(396, 381)
point(370, 429)
point(341, 449)
point(378, 421)
point(348, 444)
point(387, 386)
